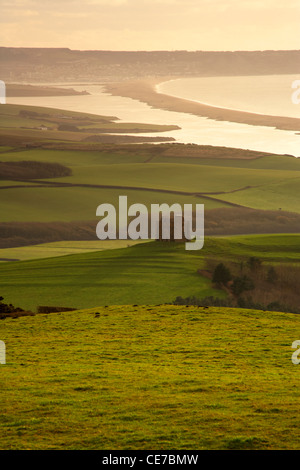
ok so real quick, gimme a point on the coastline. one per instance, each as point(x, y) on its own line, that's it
point(16, 90)
point(145, 90)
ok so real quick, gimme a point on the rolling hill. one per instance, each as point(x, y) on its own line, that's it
point(152, 272)
point(149, 377)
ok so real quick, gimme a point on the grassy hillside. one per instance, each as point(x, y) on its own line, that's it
point(45, 204)
point(220, 186)
point(150, 377)
point(142, 274)
point(271, 179)
point(154, 272)
point(282, 194)
point(262, 162)
point(178, 177)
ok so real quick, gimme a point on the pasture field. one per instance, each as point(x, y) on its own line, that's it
point(51, 204)
point(63, 248)
point(283, 195)
point(74, 158)
point(267, 162)
point(152, 272)
point(150, 377)
point(14, 183)
point(221, 185)
point(277, 248)
point(143, 153)
point(141, 274)
point(5, 148)
point(179, 177)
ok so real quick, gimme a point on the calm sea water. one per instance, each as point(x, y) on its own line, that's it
point(194, 129)
point(269, 94)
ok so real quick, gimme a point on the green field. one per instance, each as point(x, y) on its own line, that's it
point(74, 158)
point(142, 274)
point(269, 162)
point(63, 248)
point(155, 272)
point(277, 183)
point(150, 378)
point(283, 194)
point(282, 248)
point(179, 177)
point(46, 204)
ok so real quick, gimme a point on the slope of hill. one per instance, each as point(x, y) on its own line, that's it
point(146, 273)
point(152, 272)
point(150, 377)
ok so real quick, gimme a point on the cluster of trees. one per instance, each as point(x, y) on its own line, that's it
point(8, 310)
point(68, 128)
point(222, 276)
point(30, 170)
point(253, 286)
point(24, 113)
point(241, 302)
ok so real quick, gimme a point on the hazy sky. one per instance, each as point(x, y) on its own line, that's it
point(151, 24)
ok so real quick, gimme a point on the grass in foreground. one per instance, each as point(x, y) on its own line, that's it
point(150, 377)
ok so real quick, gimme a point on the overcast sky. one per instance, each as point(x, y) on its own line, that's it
point(151, 24)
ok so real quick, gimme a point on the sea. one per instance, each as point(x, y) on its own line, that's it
point(271, 94)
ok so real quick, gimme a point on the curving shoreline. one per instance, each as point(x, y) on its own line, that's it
point(145, 90)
